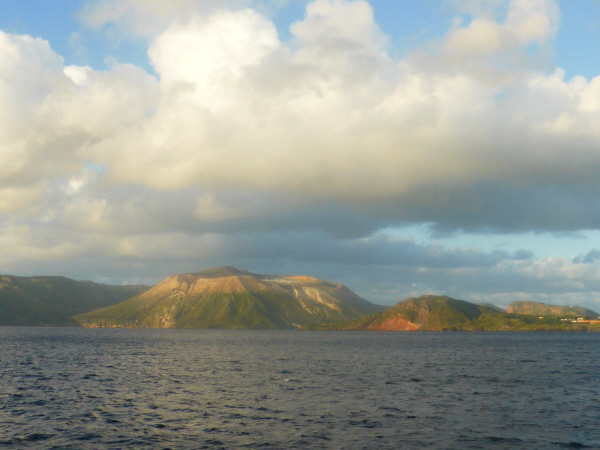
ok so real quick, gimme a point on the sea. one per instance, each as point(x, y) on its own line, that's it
point(77, 388)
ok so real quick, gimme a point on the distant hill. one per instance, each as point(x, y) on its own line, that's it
point(494, 307)
point(52, 301)
point(542, 309)
point(226, 297)
point(442, 313)
point(427, 313)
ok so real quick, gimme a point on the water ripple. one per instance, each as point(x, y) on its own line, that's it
point(188, 389)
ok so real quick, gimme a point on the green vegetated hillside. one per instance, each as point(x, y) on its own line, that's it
point(542, 309)
point(442, 313)
point(494, 307)
point(52, 301)
point(231, 298)
point(429, 312)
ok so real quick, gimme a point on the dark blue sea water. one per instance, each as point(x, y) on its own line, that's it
point(68, 388)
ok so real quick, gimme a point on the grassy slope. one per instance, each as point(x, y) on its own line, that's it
point(523, 322)
point(52, 301)
point(217, 310)
point(226, 297)
point(430, 312)
point(493, 307)
point(440, 313)
point(543, 309)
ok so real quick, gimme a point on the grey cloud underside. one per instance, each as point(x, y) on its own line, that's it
point(486, 207)
point(496, 207)
point(589, 258)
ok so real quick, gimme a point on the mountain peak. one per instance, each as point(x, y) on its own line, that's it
point(428, 312)
point(223, 271)
point(227, 297)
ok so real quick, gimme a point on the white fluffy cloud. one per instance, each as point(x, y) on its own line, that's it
point(342, 119)
point(339, 119)
point(527, 22)
point(238, 133)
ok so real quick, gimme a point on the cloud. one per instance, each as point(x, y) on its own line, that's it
point(208, 57)
point(243, 147)
point(30, 71)
point(589, 258)
point(341, 120)
point(135, 19)
point(331, 117)
point(17, 199)
point(138, 17)
point(338, 25)
point(525, 21)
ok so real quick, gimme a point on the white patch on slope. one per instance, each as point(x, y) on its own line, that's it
point(306, 295)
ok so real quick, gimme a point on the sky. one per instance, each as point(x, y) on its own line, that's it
point(399, 147)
